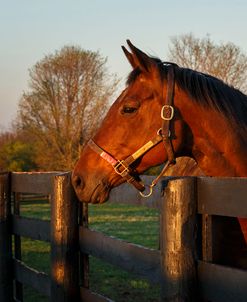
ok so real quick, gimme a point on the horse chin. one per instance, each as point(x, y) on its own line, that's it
point(97, 193)
point(100, 195)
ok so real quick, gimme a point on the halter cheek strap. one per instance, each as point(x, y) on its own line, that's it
point(123, 167)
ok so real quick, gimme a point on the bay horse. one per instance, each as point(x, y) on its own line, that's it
point(164, 112)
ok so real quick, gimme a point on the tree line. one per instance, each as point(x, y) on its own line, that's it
point(71, 90)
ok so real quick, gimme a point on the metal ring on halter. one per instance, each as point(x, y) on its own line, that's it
point(159, 132)
point(150, 191)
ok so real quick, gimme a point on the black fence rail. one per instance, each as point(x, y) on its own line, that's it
point(185, 266)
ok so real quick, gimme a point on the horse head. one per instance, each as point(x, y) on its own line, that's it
point(135, 119)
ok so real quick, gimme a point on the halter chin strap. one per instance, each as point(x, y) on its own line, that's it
point(123, 167)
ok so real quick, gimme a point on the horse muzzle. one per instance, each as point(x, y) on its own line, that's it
point(90, 191)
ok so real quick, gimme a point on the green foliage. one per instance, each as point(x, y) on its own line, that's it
point(17, 156)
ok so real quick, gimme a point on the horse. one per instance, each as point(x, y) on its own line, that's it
point(164, 112)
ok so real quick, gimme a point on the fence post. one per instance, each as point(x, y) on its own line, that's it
point(6, 282)
point(64, 241)
point(84, 258)
point(178, 242)
point(17, 248)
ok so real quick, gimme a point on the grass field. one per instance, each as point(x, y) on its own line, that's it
point(135, 224)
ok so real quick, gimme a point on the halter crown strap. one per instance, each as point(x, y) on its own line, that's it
point(167, 114)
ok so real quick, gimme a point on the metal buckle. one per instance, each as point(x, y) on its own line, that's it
point(120, 164)
point(159, 132)
point(171, 114)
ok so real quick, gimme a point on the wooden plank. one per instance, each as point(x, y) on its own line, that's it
point(207, 238)
point(229, 246)
point(185, 166)
point(222, 196)
point(33, 182)
point(178, 241)
point(88, 296)
point(31, 197)
point(64, 241)
point(6, 283)
point(29, 276)
point(222, 284)
point(133, 258)
point(36, 229)
point(129, 195)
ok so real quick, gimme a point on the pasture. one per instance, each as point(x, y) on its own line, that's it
point(136, 224)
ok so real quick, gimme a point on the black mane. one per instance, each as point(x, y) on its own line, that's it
point(208, 91)
point(211, 92)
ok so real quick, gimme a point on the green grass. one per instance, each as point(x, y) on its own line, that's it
point(134, 224)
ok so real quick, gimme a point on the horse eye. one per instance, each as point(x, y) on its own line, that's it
point(129, 110)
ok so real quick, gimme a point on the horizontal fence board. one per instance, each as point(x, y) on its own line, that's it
point(129, 195)
point(33, 228)
point(133, 258)
point(88, 296)
point(29, 276)
point(32, 197)
point(32, 182)
point(222, 284)
point(222, 196)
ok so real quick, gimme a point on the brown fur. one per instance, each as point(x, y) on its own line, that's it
point(210, 125)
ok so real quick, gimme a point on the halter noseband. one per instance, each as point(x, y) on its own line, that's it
point(123, 167)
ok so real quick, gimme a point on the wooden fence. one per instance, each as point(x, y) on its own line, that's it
point(183, 265)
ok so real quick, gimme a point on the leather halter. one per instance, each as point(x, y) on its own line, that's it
point(123, 167)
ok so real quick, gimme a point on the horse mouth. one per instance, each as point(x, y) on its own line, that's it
point(100, 193)
point(96, 193)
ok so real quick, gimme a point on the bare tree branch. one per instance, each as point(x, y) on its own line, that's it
point(69, 94)
point(225, 60)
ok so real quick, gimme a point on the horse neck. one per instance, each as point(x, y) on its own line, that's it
point(217, 147)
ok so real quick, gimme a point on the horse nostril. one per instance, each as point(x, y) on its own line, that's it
point(78, 182)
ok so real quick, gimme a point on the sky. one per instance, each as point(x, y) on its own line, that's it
point(31, 29)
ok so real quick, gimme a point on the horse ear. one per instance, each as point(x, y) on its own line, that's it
point(140, 59)
point(129, 56)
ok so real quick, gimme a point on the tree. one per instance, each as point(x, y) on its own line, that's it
point(16, 154)
point(225, 60)
point(68, 95)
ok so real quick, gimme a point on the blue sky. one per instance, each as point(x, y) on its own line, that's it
point(30, 29)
